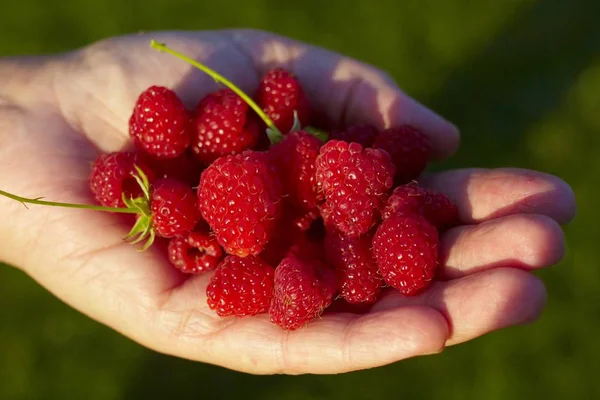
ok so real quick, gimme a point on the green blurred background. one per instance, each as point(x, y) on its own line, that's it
point(522, 80)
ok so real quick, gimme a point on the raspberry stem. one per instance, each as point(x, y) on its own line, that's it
point(40, 202)
point(143, 228)
point(273, 133)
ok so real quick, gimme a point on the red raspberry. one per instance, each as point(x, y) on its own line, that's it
point(355, 182)
point(185, 168)
point(160, 125)
point(409, 198)
point(409, 148)
point(440, 211)
point(302, 291)
point(355, 267)
point(112, 176)
point(222, 126)
point(174, 208)
point(279, 94)
point(436, 207)
point(406, 249)
point(363, 134)
point(195, 252)
point(241, 287)
point(294, 158)
point(239, 198)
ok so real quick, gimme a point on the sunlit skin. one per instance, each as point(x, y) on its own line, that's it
point(57, 113)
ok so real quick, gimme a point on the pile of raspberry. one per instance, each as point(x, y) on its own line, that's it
point(288, 225)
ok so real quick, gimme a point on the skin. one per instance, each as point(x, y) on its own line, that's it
point(58, 112)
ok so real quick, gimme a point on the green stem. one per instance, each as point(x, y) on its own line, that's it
point(37, 201)
point(274, 134)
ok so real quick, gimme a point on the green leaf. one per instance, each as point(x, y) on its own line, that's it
point(318, 133)
point(274, 136)
point(142, 230)
point(142, 180)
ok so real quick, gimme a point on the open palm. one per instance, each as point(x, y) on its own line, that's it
point(58, 113)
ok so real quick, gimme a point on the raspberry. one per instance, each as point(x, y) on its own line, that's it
point(409, 149)
point(112, 176)
point(302, 291)
point(355, 182)
point(195, 252)
point(222, 126)
point(185, 168)
point(440, 211)
point(160, 125)
point(436, 207)
point(363, 134)
point(279, 94)
point(174, 208)
point(294, 158)
point(241, 287)
point(239, 198)
point(355, 266)
point(405, 247)
point(409, 198)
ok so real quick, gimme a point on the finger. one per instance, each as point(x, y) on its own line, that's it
point(480, 303)
point(333, 344)
point(484, 194)
point(348, 91)
point(525, 241)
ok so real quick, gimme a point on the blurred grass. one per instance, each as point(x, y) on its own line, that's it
point(522, 80)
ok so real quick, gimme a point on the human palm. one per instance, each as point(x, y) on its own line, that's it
point(58, 113)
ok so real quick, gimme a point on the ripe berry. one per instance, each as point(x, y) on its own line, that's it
point(302, 291)
point(195, 252)
point(436, 207)
point(160, 125)
point(440, 211)
point(363, 134)
point(409, 149)
point(112, 177)
point(222, 126)
point(405, 247)
point(174, 208)
point(240, 199)
point(279, 94)
point(240, 287)
point(355, 182)
point(355, 267)
point(295, 157)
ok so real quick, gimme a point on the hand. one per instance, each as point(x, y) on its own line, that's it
point(58, 112)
